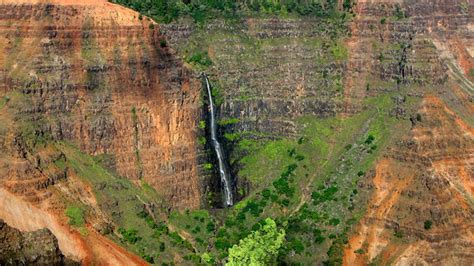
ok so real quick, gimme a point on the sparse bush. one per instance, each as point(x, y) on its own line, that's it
point(210, 227)
point(418, 117)
point(360, 251)
point(200, 58)
point(427, 225)
point(398, 234)
point(334, 221)
point(76, 216)
point(370, 139)
point(129, 235)
point(208, 166)
point(163, 43)
point(202, 124)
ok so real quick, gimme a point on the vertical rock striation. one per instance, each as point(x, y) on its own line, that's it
point(97, 75)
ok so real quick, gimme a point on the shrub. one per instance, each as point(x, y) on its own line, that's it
point(202, 140)
point(202, 124)
point(266, 193)
point(297, 246)
point(418, 117)
point(129, 235)
point(222, 244)
point(399, 13)
point(230, 121)
point(285, 202)
point(427, 225)
point(398, 234)
point(148, 259)
point(299, 157)
point(334, 221)
point(360, 251)
point(208, 166)
point(76, 216)
point(326, 195)
point(200, 58)
point(210, 227)
point(176, 237)
point(282, 187)
point(163, 43)
point(370, 139)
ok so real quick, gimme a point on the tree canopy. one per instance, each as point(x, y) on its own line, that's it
point(259, 248)
point(200, 10)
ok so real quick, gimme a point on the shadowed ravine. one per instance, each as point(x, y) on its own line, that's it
point(223, 173)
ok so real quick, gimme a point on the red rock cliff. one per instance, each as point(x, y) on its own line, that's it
point(102, 77)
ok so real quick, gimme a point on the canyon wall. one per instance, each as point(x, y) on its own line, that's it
point(420, 211)
point(274, 71)
point(95, 74)
point(97, 80)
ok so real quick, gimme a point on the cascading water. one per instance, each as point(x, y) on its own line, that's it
point(225, 179)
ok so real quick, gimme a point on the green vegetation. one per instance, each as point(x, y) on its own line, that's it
point(202, 140)
point(399, 13)
point(230, 121)
point(139, 230)
point(260, 247)
point(203, 10)
point(76, 216)
point(398, 234)
point(202, 124)
point(427, 224)
point(163, 43)
point(3, 101)
point(200, 58)
point(339, 51)
point(208, 166)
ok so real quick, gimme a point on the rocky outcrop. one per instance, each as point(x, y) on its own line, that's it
point(38, 247)
point(422, 193)
point(269, 71)
point(97, 75)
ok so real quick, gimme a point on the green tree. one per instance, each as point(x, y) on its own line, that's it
point(259, 248)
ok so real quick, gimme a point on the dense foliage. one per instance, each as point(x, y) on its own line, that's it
point(200, 10)
point(259, 248)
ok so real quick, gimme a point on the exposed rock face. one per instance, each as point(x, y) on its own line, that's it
point(413, 42)
point(269, 71)
point(39, 248)
point(94, 74)
point(427, 178)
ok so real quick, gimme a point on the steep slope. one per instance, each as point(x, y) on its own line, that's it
point(91, 93)
point(282, 78)
point(421, 207)
point(39, 247)
point(421, 210)
point(353, 130)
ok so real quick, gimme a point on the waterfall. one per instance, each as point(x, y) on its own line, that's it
point(224, 174)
